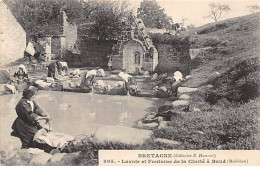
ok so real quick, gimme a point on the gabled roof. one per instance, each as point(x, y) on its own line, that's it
point(3, 4)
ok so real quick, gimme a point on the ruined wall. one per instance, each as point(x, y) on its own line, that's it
point(173, 53)
point(70, 34)
point(93, 52)
point(55, 47)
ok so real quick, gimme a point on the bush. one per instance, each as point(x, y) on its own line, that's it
point(234, 127)
point(213, 28)
point(239, 84)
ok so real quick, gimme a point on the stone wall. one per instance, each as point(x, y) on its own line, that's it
point(55, 47)
point(12, 36)
point(92, 53)
point(70, 33)
point(173, 53)
point(172, 58)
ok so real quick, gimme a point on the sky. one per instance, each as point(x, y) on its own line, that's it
point(196, 10)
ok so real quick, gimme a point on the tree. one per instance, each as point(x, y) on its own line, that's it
point(107, 18)
point(253, 8)
point(153, 15)
point(41, 17)
point(217, 10)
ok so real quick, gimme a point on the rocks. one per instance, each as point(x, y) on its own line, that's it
point(162, 125)
point(196, 109)
point(153, 113)
point(149, 119)
point(40, 159)
point(16, 160)
point(70, 159)
point(172, 98)
point(34, 151)
point(124, 135)
point(200, 132)
point(214, 76)
point(209, 86)
point(166, 112)
point(180, 104)
point(166, 141)
point(159, 119)
point(182, 90)
point(187, 77)
point(57, 157)
point(147, 126)
point(54, 151)
point(184, 97)
point(50, 80)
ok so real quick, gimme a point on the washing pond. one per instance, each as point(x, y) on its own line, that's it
point(82, 113)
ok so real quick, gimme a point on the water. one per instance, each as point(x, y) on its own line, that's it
point(83, 113)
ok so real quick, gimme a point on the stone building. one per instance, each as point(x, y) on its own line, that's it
point(56, 45)
point(134, 49)
point(12, 36)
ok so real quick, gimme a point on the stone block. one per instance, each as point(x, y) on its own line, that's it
point(121, 134)
point(180, 103)
point(147, 126)
point(196, 109)
point(57, 157)
point(184, 97)
point(186, 90)
point(162, 124)
point(40, 159)
point(166, 141)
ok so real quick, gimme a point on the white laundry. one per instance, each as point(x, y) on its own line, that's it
point(64, 64)
point(30, 49)
point(76, 72)
point(101, 72)
point(49, 79)
point(54, 139)
point(10, 88)
point(119, 84)
point(91, 73)
point(100, 83)
point(41, 83)
point(124, 76)
point(146, 74)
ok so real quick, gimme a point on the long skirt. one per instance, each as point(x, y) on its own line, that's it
point(25, 132)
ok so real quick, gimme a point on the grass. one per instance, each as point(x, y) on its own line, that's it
point(221, 126)
point(231, 44)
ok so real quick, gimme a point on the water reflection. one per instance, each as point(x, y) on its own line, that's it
point(78, 113)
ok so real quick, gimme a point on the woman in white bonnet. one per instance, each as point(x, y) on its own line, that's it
point(176, 83)
point(21, 74)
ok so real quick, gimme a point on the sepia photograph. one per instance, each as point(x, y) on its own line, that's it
point(129, 82)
